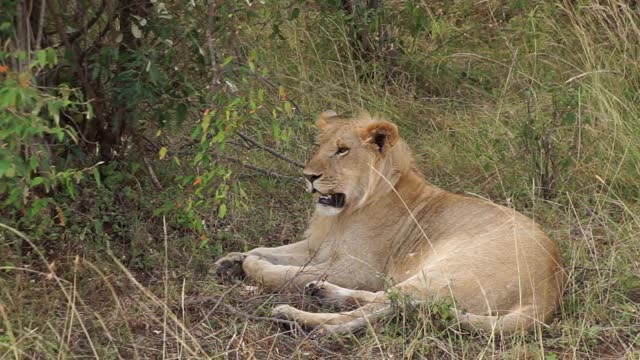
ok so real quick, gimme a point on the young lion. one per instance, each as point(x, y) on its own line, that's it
point(377, 221)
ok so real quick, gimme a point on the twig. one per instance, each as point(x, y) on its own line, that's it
point(215, 80)
point(232, 310)
point(269, 150)
point(59, 282)
point(274, 87)
point(102, 33)
point(214, 308)
point(242, 145)
point(76, 34)
point(259, 169)
point(217, 73)
point(43, 5)
point(166, 288)
point(155, 146)
point(152, 174)
point(84, 80)
point(9, 332)
point(156, 301)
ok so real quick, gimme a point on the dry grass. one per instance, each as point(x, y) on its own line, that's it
point(484, 103)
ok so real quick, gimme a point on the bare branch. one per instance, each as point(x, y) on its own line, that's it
point(219, 301)
point(43, 6)
point(152, 174)
point(259, 169)
point(215, 78)
point(269, 150)
point(76, 34)
point(84, 80)
point(155, 146)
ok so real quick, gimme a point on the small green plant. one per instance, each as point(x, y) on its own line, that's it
point(551, 138)
point(35, 143)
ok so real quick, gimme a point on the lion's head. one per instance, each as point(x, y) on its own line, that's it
point(356, 160)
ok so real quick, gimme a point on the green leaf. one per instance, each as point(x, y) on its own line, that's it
point(135, 30)
point(276, 129)
point(206, 120)
point(181, 111)
point(4, 165)
point(570, 118)
point(95, 72)
point(8, 97)
point(33, 163)
point(97, 225)
point(38, 205)
point(96, 176)
point(52, 58)
point(10, 171)
point(295, 13)
point(226, 61)
point(54, 110)
point(37, 181)
point(154, 73)
point(163, 152)
point(198, 158)
point(222, 211)
point(41, 56)
point(89, 112)
point(287, 108)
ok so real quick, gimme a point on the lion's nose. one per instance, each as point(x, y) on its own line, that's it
point(312, 177)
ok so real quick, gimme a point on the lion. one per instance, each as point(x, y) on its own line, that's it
point(377, 221)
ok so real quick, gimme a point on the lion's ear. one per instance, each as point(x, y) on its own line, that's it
point(382, 134)
point(324, 118)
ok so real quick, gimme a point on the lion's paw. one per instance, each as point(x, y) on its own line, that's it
point(315, 289)
point(230, 266)
point(286, 312)
point(325, 290)
point(282, 310)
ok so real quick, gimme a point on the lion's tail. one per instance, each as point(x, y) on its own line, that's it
point(515, 321)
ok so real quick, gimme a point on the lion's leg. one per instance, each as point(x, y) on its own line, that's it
point(230, 265)
point(374, 306)
point(336, 295)
point(423, 286)
point(292, 254)
point(276, 276)
point(341, 322)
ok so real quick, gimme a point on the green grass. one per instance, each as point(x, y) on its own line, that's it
point(498, 100)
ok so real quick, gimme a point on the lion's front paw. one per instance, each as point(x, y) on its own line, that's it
point(230, 266)
point(284, 312)
point(291, 315)
point(316, 289)
point(326, 292)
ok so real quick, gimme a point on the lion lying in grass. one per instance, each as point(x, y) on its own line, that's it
point(377, 221)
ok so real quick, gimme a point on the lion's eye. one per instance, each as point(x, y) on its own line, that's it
point(342, 150)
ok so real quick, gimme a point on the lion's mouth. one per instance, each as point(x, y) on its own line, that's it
point(333, 200)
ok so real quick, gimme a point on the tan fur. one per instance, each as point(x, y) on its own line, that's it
point(504, 273)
